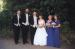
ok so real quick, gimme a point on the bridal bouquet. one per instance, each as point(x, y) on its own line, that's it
point(53, 24)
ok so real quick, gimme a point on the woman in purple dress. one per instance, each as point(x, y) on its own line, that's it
point(56, 32)
point(49, 30)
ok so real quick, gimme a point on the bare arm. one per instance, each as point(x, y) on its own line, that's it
point(59, 25)
point(44, 23)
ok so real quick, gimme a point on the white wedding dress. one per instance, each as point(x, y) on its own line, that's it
point(40, 37)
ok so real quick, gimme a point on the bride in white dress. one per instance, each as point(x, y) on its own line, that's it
point(40, 37)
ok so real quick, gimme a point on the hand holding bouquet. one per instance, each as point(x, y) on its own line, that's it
point(53, 24)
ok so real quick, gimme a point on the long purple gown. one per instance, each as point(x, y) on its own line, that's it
point(56, 35)
point(50, 35)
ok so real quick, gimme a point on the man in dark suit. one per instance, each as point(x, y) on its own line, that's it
point(25, 25)
point(16, 23)
point(33, 25)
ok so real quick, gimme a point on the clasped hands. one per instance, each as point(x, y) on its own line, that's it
point(17, 24)
point(34, 26)
point(25, 23)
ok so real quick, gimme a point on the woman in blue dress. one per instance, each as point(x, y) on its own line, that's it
point(49, 30)
point(56, 32)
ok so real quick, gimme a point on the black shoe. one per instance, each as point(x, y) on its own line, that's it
point(16, 43)
point(27, 42)
point(31, 43)
point(24, 43)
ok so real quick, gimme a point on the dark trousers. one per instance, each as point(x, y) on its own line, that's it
point(32, 33)
point(16, 31)
point(25, 30)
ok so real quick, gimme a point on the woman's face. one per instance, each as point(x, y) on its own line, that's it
point(50, 17)
point(55, 17)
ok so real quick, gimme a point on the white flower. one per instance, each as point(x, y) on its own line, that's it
point(53, 23)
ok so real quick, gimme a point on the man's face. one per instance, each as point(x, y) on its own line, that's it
point(27, 10)
point(34, 13)
point(18, 12)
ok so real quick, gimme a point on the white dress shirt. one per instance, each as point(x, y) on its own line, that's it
point(18, 18)
point(35, 21)
point(27, 21)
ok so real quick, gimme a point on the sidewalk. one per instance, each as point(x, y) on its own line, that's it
point(9, 44)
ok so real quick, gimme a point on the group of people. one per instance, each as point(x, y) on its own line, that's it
point(42, 32)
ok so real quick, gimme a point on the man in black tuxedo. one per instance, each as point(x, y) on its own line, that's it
point(33, 25)
point(25, 25)
point(16, 23)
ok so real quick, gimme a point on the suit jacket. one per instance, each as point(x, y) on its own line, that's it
point(23, 18)
point(14, 20)
point(32, 20)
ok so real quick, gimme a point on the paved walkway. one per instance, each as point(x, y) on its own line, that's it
point(9, 44)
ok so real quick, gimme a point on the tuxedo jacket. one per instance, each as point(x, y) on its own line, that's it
point(32, 20)
point(14, 20)
point(23, 18)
